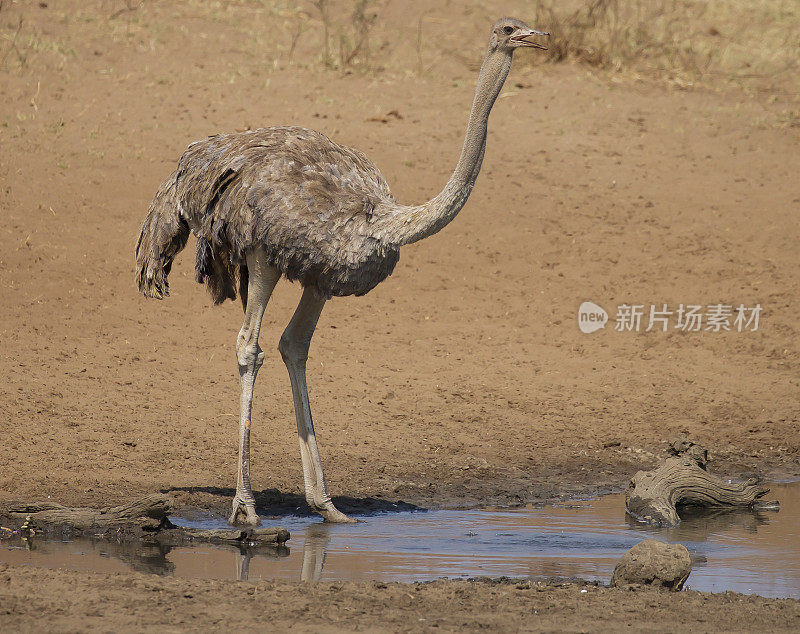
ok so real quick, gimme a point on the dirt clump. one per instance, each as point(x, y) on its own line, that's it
point(653, 563)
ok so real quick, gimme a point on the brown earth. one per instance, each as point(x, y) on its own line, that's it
point(461, 380)
point(33, 600)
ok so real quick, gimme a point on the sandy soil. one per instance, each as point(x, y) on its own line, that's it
point(463, 379)
point(34, 600)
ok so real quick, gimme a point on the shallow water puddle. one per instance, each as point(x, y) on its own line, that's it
point(757, 553)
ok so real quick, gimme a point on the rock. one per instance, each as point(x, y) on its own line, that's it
point(653, 563)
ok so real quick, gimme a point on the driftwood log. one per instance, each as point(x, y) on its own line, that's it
point(243, 537)
point(146, 512)
point(654, 497)
point(145, 518)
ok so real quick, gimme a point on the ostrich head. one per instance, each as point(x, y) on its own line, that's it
point(509, 34)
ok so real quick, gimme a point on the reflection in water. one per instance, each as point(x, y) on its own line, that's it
point(243, 564)
point(150, 557)
point(316, 543)
point(144, 557)
point(318, 538)
point(754, 552)
point(147, 557)
point(700, 525)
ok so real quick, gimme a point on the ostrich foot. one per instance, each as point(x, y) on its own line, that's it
point(333, 515)
point(244, 513)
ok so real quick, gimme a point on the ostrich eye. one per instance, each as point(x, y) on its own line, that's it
point(508, 30)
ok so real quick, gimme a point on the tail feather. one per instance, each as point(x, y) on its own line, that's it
point(215, 268)
point(163, 235)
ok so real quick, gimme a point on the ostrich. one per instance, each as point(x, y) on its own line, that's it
point(287, 201)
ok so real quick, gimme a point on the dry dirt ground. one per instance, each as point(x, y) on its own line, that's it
point(134, 602)
point(461, 380)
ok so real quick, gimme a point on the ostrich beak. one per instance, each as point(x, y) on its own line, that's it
point(521, 39)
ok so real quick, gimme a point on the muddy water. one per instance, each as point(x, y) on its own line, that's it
point(756, 553)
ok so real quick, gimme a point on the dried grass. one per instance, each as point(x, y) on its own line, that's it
point(351, 36)
point(745, 42)
point(680, 40)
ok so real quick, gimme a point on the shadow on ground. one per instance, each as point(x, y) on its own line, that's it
point(272, 502)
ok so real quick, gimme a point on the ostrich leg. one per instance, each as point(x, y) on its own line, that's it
point(261, 281)
point(293, 347)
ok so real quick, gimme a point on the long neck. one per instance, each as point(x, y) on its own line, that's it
point(412, 223)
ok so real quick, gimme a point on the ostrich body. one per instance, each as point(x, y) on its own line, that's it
point(287, 201)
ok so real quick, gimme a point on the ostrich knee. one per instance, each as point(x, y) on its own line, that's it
point(249, 354)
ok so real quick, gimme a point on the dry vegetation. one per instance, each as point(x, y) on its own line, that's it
point(751, 43)
point(680, 40)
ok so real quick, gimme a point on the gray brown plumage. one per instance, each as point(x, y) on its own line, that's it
point(311, 203)
point(289, 202)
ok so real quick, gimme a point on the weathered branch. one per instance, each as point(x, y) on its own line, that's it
point(653, 496)
point(146, 512)
point(147, 517)
point(243, 537)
